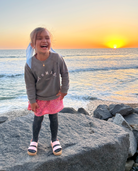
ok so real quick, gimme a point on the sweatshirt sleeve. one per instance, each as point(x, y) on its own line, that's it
point(65, 76)
point(30, 84)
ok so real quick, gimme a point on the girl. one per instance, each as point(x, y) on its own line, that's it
point(42, 78)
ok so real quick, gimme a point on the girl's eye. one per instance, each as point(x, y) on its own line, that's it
point(39, 38)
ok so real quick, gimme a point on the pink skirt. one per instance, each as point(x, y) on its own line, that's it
point(48, 107)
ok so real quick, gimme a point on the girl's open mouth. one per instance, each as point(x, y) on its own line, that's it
point(44, 46)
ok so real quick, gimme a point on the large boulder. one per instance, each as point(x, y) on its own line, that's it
point(88, 144)
point(119, 120)
point(133, 121)
point(120, 108)
point(102, 112)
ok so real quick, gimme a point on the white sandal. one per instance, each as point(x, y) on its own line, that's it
point(55, 146)
point(32, 150)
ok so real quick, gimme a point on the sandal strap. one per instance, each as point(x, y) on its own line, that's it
point(33, 144)
point(32, 148)
point(55, 143)
point(56, 147)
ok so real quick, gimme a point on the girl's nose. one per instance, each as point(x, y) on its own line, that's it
point(44, 40)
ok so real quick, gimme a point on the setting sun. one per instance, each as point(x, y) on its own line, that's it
point(115, 46)
point(115, 42)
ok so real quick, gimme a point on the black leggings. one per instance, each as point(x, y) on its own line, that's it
point(53, 126)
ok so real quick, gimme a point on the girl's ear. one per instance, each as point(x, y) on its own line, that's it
point(32, 45)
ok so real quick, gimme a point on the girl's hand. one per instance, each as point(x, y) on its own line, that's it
point(34, 106)
point(61, 95)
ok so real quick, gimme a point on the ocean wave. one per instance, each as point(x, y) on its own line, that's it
point(12, 57)
point(89, 98)
point(84, 55)
point(10, 76)
point(7, 98)
point(103, 69)
point(85, 98)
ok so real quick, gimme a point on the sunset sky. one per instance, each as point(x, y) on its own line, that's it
point(73, 23)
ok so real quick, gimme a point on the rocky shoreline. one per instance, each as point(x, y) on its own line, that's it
point(125, 115)
point(98, 130)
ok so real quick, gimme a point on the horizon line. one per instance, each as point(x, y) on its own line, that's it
point(71, 48)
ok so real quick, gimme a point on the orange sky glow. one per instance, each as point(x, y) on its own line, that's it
point(87, 25)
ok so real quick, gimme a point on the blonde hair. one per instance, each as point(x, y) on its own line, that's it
point(35, 32)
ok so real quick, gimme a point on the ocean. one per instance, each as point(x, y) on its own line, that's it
point(106, 74)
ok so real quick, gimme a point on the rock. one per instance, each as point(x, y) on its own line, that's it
point(102, 112)
point(129, 165)
point(133, 121)
point(119, 120)
point(136, 160)
point(135, 131)
point(134, 168)
point(111, 106)
point(122, 109)
point(134, 127)
point(82, 110)
point(68, 110)
point(3, 119)
point(136, 110)
point(110, 119)
point(88, 144)
point(135, 165)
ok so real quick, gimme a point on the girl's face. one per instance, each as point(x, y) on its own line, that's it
point(43, 42)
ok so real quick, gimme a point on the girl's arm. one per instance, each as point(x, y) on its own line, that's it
point(30, 84)
point(65, 78)
point(62, 95)
point(34, 106)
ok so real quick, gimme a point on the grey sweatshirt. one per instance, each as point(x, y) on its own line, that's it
point(43, 78)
